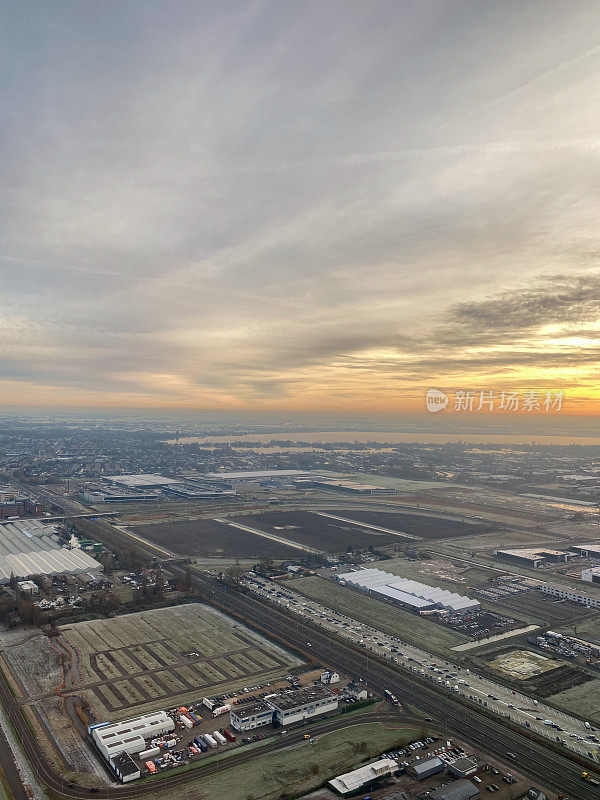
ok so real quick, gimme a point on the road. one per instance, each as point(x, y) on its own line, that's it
point(550, 769)
point(546, 721)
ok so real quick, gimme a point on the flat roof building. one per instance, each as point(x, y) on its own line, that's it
point(587, 550)
point(139, 481)
point(459, 790)
point(360, 779)
point(575, 595)
point(302, 704)
point(591, 575)
point(125, 767)
point(250, 716)
point(352, 487)
point(533, 556)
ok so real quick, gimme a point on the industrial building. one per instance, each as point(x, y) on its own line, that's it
point(125, 768)
point(423, 769)
point(28, 547)
point(107, 495)
point(591, 575)
point(140, 481)
point(407, 593)
point(463, 767)
point(575, 595)
point(533, 557)
point(360, 779)
point(352, 487)
point(250, 716)
point(183, 491)
point(130, 735)
point(302, 704)
point(459, 790)
point(258, 475)
point(587, 550)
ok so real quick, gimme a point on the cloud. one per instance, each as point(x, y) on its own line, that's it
point(260, 203)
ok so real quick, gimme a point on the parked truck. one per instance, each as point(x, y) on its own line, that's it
point(209, 740)
point(229, 735)
point(216, 712)
point(219, 737)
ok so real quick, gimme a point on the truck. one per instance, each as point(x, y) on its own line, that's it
point(219, 737)
point(590, 779)
point(151, 767)
point(391, 697)
point(209, 740)
point(186, 721)
point(208, 703)
point(201, 744)
point(216, 712)
point(150, 753)
point(229, 735)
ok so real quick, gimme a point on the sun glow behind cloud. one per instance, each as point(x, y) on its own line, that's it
point(272, 205)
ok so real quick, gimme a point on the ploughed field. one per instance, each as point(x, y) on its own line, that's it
point(212, 539)
point(427, 526)
point(335, 536)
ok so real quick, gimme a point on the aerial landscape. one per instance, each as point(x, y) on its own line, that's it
point(299, 425)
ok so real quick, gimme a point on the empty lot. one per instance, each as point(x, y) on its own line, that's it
point(161, 658)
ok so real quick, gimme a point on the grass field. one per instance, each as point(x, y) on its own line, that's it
point(403, 624)
point(582, 700)
point(301, 768)
point(160, 658)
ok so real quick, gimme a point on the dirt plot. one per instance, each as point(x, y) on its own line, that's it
point(315, 531)
point(208, 538)
point(160, 658)
point(427, 526)
point(36, 665)
point(533, 604)
point(522, 664)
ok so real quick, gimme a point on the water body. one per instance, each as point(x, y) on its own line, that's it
point(390, 437)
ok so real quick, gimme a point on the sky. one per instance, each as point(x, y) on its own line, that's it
point(326, 205)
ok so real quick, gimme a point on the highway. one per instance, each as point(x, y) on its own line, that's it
point(548, 768)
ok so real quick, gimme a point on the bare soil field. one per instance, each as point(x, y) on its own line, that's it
point(157, 659)
point(210, 539)
point(319, 532)
point(427, 526)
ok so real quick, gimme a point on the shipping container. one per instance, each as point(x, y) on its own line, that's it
point(201, 744)
point(209, 740)
point(186, 721)
point(219, 737)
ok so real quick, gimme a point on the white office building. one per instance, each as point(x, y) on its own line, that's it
point(302, 704)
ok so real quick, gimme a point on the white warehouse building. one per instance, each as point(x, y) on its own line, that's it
point(130, 735)
point(403, 591)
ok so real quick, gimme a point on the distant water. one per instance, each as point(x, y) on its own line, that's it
point(391, 437)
